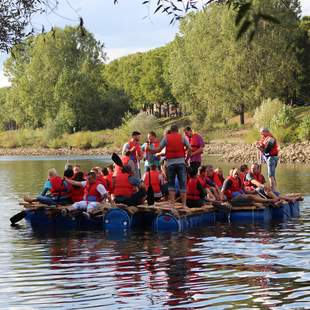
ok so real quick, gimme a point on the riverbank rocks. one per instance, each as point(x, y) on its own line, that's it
point(247, 153)
point(239, 153)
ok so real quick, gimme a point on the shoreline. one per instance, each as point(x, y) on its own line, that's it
point(236, 153)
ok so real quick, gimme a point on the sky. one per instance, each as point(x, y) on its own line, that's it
point(125, 28)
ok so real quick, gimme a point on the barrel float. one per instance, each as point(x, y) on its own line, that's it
point(39, 219)
point(117, 219)
point(143, 220)
point(64, 222)
point(295, 210)
point(202, 219)
point(167, 222)
point(250, 216)
point(282, 213)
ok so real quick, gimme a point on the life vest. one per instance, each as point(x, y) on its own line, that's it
point(154, 180)
point(175, 146)
point(102, 181)
point(122, 186)
point(242, 176)
point(148, 155)
point(77, 193)
point(236, 186)
point(218, 179)
point(109, 181)
point(192, 193)
point(59, 187)
point(202, 181)
point(274, 149)
point(194, 142)
point(138, 152)
point(210, 181)
point(91, 193)
point(118, 169)
point(258, 177)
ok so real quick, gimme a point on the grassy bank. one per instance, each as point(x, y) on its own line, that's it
point(231, 132)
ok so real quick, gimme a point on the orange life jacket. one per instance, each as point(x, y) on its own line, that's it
point(59, 188)
point(192, 193)
point(258, 177)
point(218, 179)
point(175, 146)
point(275, 148)
point(203, 182)
point(118, 169)
point(77, 193)
point(122, 186)
point(109, 181)
point(194, 142)
point(154, 180)
point(91, 193)
point(236, 186)
point(137, 153)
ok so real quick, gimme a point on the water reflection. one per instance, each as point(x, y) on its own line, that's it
point(220, 267)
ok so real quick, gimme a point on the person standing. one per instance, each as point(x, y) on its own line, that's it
point(176, 147)
point(150, 158)
point(197, 144)
point(133, 146)
point(269, 148)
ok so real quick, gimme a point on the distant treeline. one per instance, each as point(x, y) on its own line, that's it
point(60, 79)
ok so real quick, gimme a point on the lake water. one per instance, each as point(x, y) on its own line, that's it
point(220, 267)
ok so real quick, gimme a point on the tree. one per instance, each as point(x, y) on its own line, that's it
point(56, 78)
point(214, 74)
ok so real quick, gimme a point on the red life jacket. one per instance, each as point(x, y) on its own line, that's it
point(192, 193)
point(102, 181)
point(138, 152)
point(258, 177)
point(59, 189)
point(242, 176)
point(194, 142)
point(91, 193)
point(175, 146)
point(154, 180)
point(122, 186)
point(218, 179)
point(109, 180)
point(77, 193)
point(274, 150)
point(118, 169)
point(236, 186)
point(203, 182)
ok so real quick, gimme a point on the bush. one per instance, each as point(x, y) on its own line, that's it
point(252, 136)
point(284, 118)
point(265, 112)
point(285, 135)
point(304, 128)
point(81, 140)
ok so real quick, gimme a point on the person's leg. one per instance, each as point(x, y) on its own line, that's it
point(194, 203)
point(137, 198)
point(195, 166)
point(272, 162)
point(171, 183)
point(181, 174)
point(92, 207)
point(46, 200)
point(256, 198)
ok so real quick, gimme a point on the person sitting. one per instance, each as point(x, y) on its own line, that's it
point(235, 192)
point(210, 179)
point(94, 194)
point(127, 161)
point(128, 189)
point(203, 181)
point(76, 168)
point(77, 192)
point(56, 190)
point(195, 193)
point(156, 179)
point(218, 177)
point(109, 179)
point(243, 170)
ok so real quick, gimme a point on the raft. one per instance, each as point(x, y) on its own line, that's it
point(159, 218)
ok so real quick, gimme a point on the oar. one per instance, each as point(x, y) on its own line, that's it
point(18, 217)
point(150, 192)
point(117, 160)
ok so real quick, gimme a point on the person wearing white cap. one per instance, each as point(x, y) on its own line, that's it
point(269, 148)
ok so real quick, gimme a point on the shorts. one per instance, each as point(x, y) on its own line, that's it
point(86, 205)
point(178, 170)
point(272, 163)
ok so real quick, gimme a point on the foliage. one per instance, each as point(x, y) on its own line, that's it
point(284, 118)
point(213, 74)
point(304, 128)
point(264, 114)
point(56, 82)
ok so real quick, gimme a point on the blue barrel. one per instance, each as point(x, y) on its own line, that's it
point(62, 222)
point(117, 219)
point(39, 219)
point(282, 213)
point(251, 216)
point(167, 222)
point(143, 220)
point(202, 219)
point(295, 210)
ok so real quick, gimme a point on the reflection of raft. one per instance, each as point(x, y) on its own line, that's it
point(158, 217)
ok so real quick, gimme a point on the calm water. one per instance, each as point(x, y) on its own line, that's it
point(222, 267)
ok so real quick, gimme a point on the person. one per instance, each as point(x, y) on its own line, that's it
point(157, 181)
point(243, 170)
point(210, 179)
point(76, 169)
point(269, 149)
point(77, 192)
point(197, 144)
point(152, 143)
point(94, 194)
point(136, 154)
point(176, 145)
point(56, 190)
point(203, 181)
point(109, 179)
point(235, 192)
point(195, 193)
point(219, 177)
point(128, 189)
point(127, 161)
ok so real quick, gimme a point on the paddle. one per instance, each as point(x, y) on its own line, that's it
point(117, 160)
point(18, 217)
point(150, 192)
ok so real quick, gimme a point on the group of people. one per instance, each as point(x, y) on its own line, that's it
point(173, 168)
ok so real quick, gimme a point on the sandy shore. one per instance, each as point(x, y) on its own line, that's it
point(239, 153)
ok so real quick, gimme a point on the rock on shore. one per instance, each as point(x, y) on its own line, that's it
point(247, 153)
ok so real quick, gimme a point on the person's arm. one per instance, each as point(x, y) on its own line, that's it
point(201, 147)
point(136, 182)
point(162, 144)
point(75, 183)
point(103, 192)
point(125, 148)
point(187, 146)
point(227, 185)
point(250, 178)
point(47, 187)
